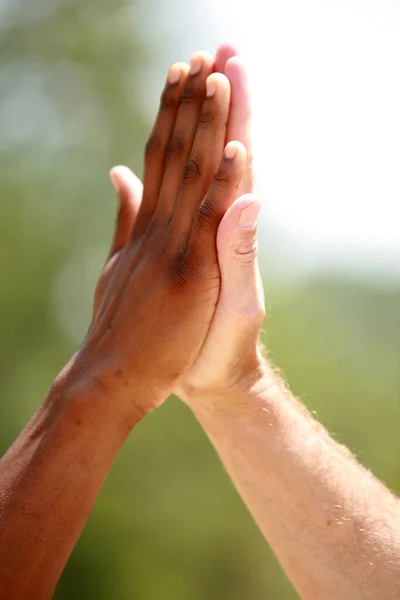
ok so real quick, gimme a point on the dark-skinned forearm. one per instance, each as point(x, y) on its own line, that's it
point(49, 481)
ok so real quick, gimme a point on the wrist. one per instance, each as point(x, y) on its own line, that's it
point(238, 394)
point(92, 399)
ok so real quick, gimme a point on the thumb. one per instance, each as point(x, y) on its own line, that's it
point(129, 190)
point(237, 248)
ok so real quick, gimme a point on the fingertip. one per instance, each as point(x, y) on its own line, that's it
point(236, 60)
point(233, 213)
point(235, 149)
point(228, 48)
point(127, 185)
point(247, 199)
point(114, 176)
point(236, 71)
point(239, 219)
point(217, 81)
point(243, 202)
point(204, 55)
point(248, 214)
point(176, 72)
point(200, 60)
point(124, 175)
point(119, 169)
point(225, 51)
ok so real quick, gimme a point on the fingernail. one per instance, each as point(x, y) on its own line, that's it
point(195, 65)
point(248, 216)
point(230, 151)
point(174, 74)
point(211, 88)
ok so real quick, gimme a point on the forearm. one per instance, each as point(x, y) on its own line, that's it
point(49, 481)
point(332, 525)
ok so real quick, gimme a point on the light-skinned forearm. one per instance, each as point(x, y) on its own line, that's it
point(333, 526)
point(49, 481)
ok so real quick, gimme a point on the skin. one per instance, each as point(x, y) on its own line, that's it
point(152, 311)
point(178, 307)
point(240, 311)
point(333, 526)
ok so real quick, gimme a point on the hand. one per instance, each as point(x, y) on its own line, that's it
point(158, 292)
point(230, 355)
point(230, 352)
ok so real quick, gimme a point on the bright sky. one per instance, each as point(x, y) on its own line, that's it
point(326, 89)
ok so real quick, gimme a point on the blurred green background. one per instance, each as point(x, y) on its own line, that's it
point(168, 523)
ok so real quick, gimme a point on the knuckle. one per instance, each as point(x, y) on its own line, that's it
point(175, 147)
point(189, 93)
point(222, 176)
point(169, 99)
point(208, 214)
point(255, 313)
point(191, 172)
point(154, 145)
point(181, 270)
point(247, 252)
point(207, 117)
point(248, 240)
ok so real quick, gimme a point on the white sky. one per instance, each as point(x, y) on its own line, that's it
point(326, 89)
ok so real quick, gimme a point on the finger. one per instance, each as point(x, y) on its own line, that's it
point(158, 141)
point(239, 125)
point(129, 190)
point(218, 199)
point(228, 62)
point(180, 144)
point(204, 158)
point(224, 53)
point(237, 241)
point(241, 294)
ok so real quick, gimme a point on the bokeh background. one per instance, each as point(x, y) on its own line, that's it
point(79, 85)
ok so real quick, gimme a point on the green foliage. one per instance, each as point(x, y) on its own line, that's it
point(168, 523)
